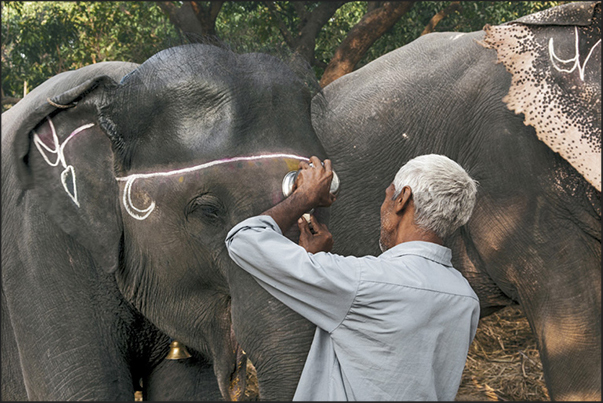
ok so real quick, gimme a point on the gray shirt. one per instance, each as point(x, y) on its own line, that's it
point(393, 327)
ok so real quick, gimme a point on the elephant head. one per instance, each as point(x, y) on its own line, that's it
point(150, 173)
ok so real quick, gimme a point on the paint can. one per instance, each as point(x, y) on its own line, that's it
point(291, 177)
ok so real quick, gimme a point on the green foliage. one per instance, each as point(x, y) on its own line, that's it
point(247, 26)
point(472, 17)
point(41, 39)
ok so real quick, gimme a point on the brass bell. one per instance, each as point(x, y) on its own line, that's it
point(177, 351)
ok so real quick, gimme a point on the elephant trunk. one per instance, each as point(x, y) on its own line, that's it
point(230, 367)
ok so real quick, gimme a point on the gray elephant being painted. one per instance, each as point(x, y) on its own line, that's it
point(117, 196)
point(519, 107)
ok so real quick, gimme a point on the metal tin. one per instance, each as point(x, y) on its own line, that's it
point(291, 176)
point(288, 182)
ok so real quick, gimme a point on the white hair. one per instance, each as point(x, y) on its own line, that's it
point(442, 191)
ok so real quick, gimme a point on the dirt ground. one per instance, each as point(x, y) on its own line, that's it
point(503, 361)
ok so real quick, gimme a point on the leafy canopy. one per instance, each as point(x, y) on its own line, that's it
point(41, 39)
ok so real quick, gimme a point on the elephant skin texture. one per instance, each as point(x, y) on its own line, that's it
point(535, 235)
point(119, 185)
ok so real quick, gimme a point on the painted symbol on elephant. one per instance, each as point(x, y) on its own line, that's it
point(576, 59)
point(69, 172)
point(141, 214)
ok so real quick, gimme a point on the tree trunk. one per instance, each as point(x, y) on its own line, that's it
point(305, 42)
point(435, 20)
point(10, 100)
point(360, 38)
point(309, 27)
point(195, 20)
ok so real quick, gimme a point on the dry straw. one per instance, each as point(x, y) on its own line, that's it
point(503, 362)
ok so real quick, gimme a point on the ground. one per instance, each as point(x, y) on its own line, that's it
point(503, 361)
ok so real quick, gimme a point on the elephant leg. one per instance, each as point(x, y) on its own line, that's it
point(550, 262)
point(70, 324)
point(13, 388)
point(275, 338)
point(66, 360)
point(467, 259)
point(564, 311)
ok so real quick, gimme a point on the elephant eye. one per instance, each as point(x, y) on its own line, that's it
point(207, 207)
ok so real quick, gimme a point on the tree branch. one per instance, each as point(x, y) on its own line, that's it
point(281, 24)
point(305, 42)
point(320, 63)
point(361, 37)
point(10, 100)
point(206, 15)
point(214, 10)
point(300, 9)
point(167, 6)
point(194, 20)
point(373, 5)
point(320, 16)
point(435, 20)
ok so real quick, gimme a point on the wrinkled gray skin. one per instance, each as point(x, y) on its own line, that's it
point(90, 293)
point(535, 236)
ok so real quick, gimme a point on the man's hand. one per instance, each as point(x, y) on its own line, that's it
point(314, 182)
point(319, 241)
point(312, 189)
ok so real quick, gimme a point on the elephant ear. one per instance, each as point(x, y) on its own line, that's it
point(64, 160)
point(554, 58)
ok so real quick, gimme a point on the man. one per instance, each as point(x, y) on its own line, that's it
point(393, 327)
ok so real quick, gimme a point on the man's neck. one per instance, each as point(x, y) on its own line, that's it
point(415, 233)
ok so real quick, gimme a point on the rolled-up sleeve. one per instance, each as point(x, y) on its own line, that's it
point(321, 287)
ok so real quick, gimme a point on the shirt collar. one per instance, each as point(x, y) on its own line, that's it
point(429, 250)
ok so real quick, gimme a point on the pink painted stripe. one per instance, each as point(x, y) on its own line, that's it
point(207, 165)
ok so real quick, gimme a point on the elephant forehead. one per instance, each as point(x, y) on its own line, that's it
point(290, 160)
point(287, 162)
point(556, 84)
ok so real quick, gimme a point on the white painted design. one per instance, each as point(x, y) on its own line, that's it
point(141, 214)
point(575, 59)
point(545, 105)
point(68, 173)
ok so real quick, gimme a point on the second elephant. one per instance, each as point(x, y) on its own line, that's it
point(531, 137)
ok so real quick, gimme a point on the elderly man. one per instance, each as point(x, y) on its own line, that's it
point(393, 327)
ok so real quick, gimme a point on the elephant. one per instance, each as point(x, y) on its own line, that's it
point(119, 185)
point(519, 107)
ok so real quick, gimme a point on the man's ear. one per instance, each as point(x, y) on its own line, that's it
point(403, 200)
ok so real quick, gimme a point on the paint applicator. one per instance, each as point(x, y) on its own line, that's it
point(289, 183)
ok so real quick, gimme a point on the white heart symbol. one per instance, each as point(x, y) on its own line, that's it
point(65, 175)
